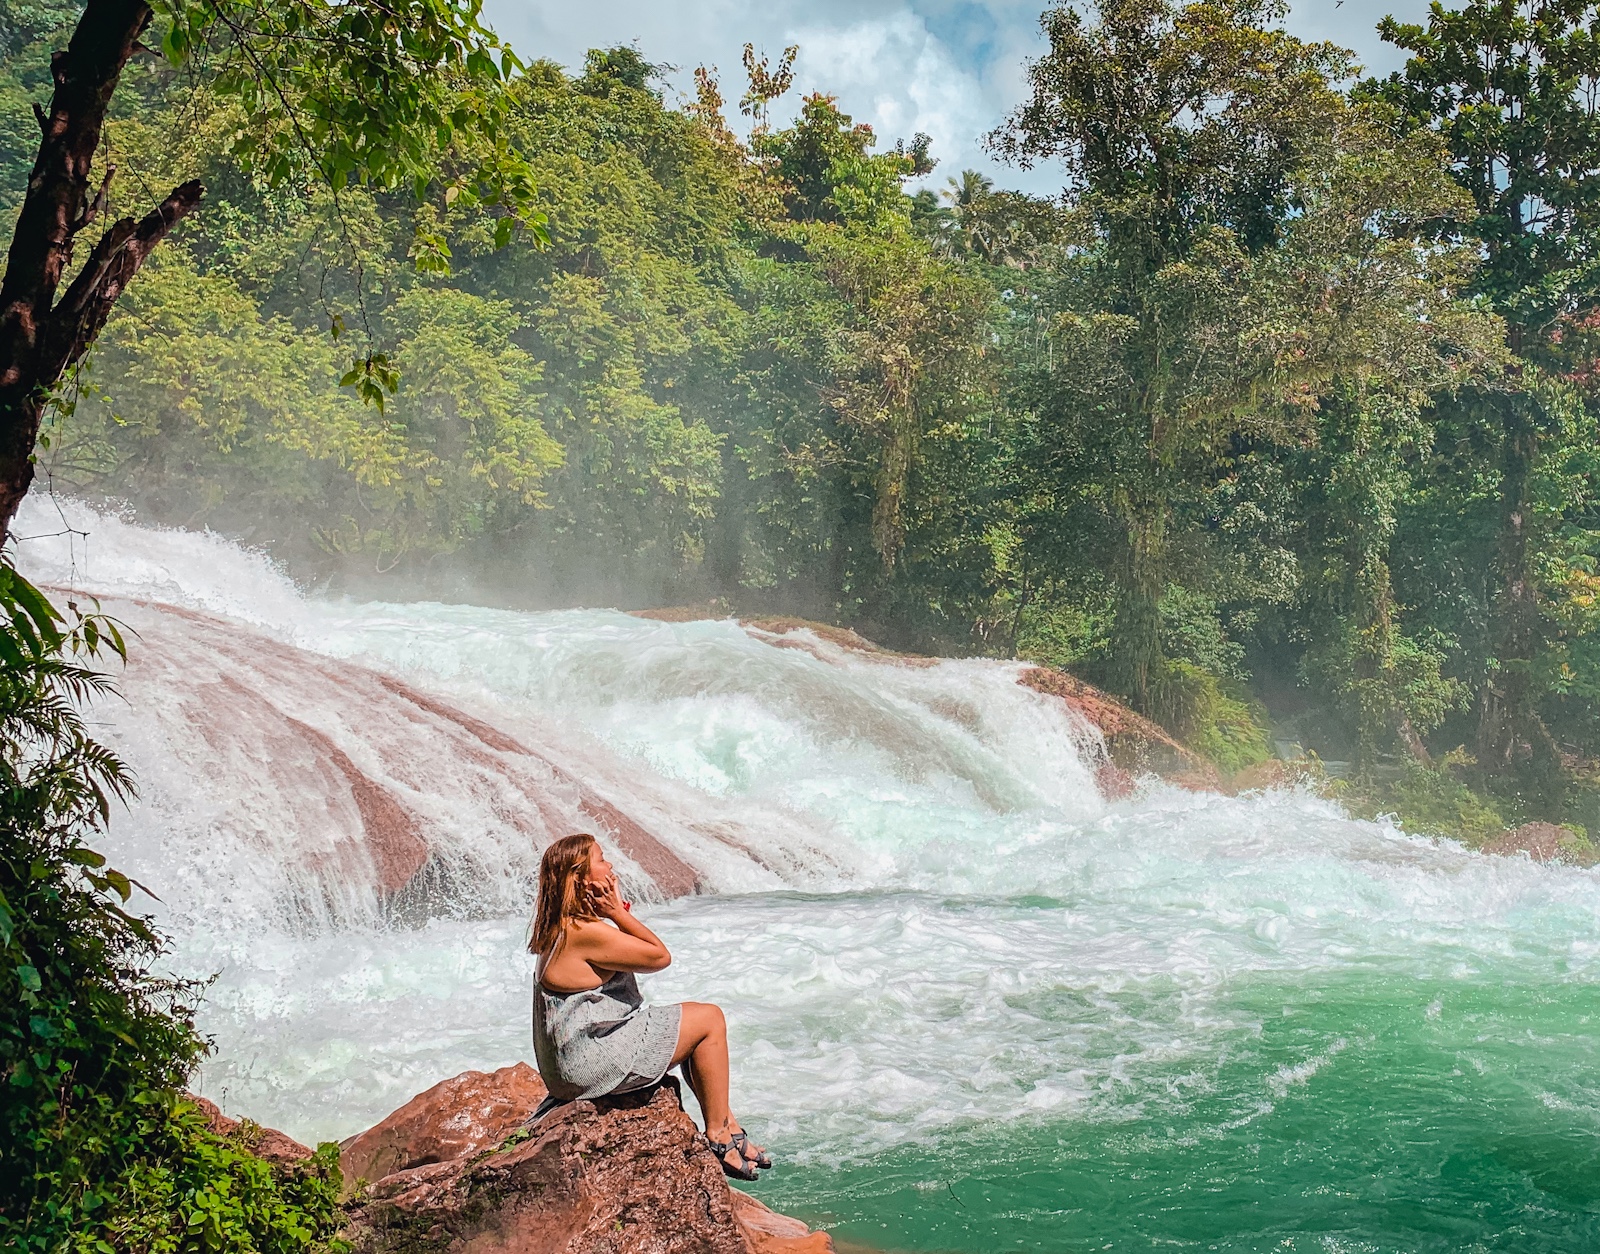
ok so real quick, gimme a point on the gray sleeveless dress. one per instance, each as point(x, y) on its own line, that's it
point(601, 1040)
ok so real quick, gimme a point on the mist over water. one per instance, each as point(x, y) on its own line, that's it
point(971, 1003)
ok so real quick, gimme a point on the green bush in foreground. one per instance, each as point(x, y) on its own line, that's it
point(191, 1189)
point(98, 1149)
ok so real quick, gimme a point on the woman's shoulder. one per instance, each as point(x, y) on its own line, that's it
point(581, 932)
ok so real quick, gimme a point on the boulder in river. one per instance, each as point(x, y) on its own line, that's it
point(1545, 842)
point(473, 1111)
point(621, 1175)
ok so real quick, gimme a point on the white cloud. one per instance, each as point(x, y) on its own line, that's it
point(952, 68)
point(881, 59)
point(894, 73)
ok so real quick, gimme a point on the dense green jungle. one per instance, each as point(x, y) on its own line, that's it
point(1279, 421)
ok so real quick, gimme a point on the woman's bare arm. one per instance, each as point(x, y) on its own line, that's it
point(628, 946)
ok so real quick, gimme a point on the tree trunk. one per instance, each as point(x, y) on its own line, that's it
point(39, 337)
point(1372, 625)
point(1512, 738)
point(1138, 625)
point(895, 460)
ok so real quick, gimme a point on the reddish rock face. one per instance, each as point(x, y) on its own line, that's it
point(340, 770)
point(454, 1119)
point(767, 1232)
point(267, 1143)
point(1113, 782)
point(1134, 742)
point(1543, 842)
point(622, 1175)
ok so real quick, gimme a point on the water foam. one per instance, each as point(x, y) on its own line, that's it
point(67, 544)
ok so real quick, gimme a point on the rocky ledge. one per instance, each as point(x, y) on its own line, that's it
point(1132, 744)
point(1546, 842)
point(456, 1171)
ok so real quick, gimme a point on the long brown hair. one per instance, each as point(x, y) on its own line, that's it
point(563, 894)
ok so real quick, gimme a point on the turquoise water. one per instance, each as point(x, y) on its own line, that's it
point(1367, 1114)
point(972, 1005)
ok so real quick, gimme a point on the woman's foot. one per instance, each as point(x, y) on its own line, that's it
point(737, 1157)
point(753, 1154)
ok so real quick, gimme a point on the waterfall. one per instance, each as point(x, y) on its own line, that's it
point(316, 764)
point(934, 938)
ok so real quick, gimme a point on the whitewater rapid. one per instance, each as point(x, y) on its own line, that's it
point(923, 918)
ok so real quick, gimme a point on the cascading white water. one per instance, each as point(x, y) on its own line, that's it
point(924, 918)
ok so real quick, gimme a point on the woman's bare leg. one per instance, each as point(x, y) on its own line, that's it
point(686, 1069)
point(703, 1050)
point(703, 1044)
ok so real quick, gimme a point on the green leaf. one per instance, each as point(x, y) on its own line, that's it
point(81, 856)
point(35, 603)
point(175, 43)
point(10, 654)
point(28, 977)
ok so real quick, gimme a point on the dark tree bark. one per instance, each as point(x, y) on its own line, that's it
point(1140, 660)
point(41, 338)
point(1512, 738)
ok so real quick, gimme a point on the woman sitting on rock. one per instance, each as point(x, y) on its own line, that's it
point(592, 1033)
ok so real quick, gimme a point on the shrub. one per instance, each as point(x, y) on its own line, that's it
point(1213, 720)
point(1431, 801)
point(98, 1150)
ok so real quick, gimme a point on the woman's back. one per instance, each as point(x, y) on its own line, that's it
point(590, 1042)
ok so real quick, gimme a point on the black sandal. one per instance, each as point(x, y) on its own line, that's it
point(722, 1149)
point(741, 1142)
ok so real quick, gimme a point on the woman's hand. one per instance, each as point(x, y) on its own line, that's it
point(606, 899)
point(628, 945)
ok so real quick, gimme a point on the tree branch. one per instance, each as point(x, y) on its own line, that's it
point(94, 208)
point(34, 344)
point(75, 322)
point(86, 74)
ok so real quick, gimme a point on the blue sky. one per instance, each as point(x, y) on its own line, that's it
point(951, 68)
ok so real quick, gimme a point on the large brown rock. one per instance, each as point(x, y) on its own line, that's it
point(276, 1147)
point(767, 1232)
point(473, 1111)
point(1136, 745)
point(622, 1175)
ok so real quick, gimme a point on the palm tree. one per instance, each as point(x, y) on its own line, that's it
point(969, 197)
